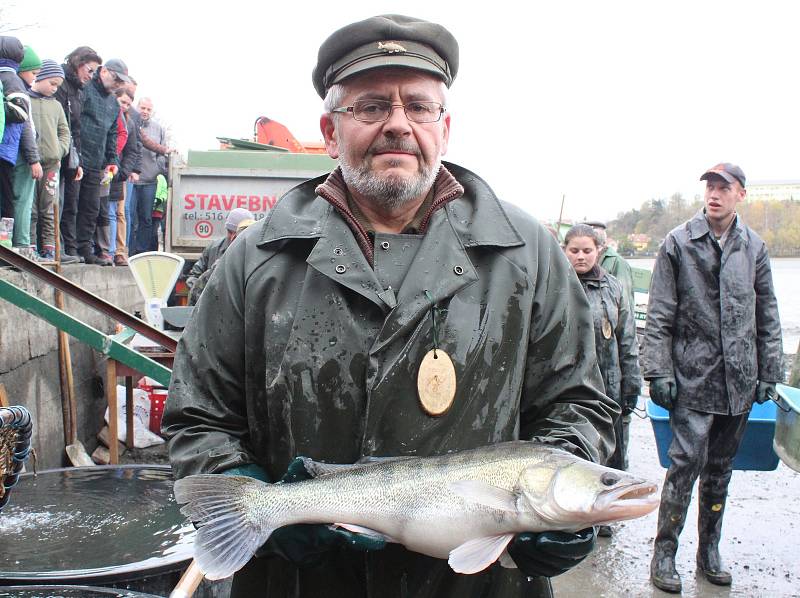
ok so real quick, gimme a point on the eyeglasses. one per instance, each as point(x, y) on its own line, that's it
point(375, 111)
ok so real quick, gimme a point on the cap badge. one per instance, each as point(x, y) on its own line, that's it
point(391, 47)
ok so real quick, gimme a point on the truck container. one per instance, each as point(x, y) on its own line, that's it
point(210, 184)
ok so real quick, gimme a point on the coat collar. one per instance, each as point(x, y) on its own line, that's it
point(477, 217)
point(698, 226)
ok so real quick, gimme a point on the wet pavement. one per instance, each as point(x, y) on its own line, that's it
point(760, 538)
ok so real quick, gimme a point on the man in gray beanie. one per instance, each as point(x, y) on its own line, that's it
point(317, 323)
point(215, 250)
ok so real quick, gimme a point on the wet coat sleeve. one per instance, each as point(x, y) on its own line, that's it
point(205, 418)
point(769, 343)
point(661, 311)
point(628, 349)
point(563, 402)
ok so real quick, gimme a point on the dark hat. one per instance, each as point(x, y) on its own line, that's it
point(726, 170)
point(119, 68)
point(49, 70)
point(595, 224)
point(383, 41)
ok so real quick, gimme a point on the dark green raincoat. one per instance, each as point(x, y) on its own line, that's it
point(297, 347)
point(712, 318)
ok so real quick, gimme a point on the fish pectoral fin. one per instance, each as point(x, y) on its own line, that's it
point(365, 531)
point(485, 494)
point(477, 554)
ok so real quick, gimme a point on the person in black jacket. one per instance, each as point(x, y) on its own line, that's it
point(79, 66)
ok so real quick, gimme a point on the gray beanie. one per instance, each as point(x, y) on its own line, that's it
point(236, 216)
point(50, 69)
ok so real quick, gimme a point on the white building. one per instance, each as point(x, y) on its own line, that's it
point(779, 190)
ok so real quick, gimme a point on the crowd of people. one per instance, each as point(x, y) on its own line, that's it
point(79, 164)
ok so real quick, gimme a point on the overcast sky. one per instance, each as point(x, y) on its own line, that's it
point(610, 103)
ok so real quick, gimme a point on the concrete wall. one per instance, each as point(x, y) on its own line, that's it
point(29, 356)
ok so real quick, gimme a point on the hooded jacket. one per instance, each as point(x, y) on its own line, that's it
point(712, 317)
point(14, 91)
point(298, 347)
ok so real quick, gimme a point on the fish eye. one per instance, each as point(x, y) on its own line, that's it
point(609, 479)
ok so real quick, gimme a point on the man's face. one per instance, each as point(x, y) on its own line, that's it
point(110, 80)
point(86, 70)
point(145, 109)
point(48, 87)
point(394, 161)
point(721, 198)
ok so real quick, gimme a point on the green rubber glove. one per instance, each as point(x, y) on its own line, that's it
point(765, 392)
point(548, 554)
point(308, 544)
point(664, 392)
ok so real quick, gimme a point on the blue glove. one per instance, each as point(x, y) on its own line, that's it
point(765, 392)
point(548, 554)
point(306, 544)
point(664, 392)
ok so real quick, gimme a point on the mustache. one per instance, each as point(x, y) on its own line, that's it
point(394, 145)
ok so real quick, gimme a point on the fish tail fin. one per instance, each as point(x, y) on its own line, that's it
point(228, 532)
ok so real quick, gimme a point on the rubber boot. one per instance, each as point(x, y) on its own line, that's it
point(709, 531)
point(663, 574)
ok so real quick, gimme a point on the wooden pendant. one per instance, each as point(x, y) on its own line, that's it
point(606, 329)
point(436, 382)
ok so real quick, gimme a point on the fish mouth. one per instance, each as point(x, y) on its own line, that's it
point(628, 501)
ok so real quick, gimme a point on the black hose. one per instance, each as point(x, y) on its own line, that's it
point(20, 420)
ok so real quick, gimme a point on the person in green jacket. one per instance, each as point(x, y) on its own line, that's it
point(309, 338)
point(53, 140)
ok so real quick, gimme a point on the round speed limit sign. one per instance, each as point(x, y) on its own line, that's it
point(203, 229)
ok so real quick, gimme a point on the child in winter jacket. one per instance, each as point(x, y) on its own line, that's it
point(53, 142)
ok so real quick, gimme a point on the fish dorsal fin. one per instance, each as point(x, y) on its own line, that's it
point(476, 555)
point(506, 560)
point(485, 494)
point(317, 469)
point(227, 536)
point(365, 531)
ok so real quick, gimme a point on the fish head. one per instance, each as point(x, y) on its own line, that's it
point(572, 493)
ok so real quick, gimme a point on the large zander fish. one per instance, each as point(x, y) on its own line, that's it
point(465, 506)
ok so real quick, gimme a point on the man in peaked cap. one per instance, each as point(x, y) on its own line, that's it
point(712, 346)
point(316, 322)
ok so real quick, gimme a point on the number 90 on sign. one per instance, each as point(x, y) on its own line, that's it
point(203, 229)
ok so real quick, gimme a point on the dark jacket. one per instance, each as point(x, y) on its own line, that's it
point(712, 318)
point(615, 342)
point(208, 258)
point(297, 348)
point(70, 95)
point(131, 159)
point(98, 126)
point(14, 90)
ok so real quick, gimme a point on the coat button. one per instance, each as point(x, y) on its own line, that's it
point(338, 251)
point(385, 245)
point(341, 269)
point(458, 270)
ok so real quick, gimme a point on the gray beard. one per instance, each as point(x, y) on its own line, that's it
point(387, 193)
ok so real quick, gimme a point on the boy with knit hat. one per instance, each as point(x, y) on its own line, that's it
point(53, 142)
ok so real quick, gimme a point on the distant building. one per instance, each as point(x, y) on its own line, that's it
point(640, 241)
point(773, 190)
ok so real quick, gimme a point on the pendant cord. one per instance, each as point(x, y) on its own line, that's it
point(433, 322)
